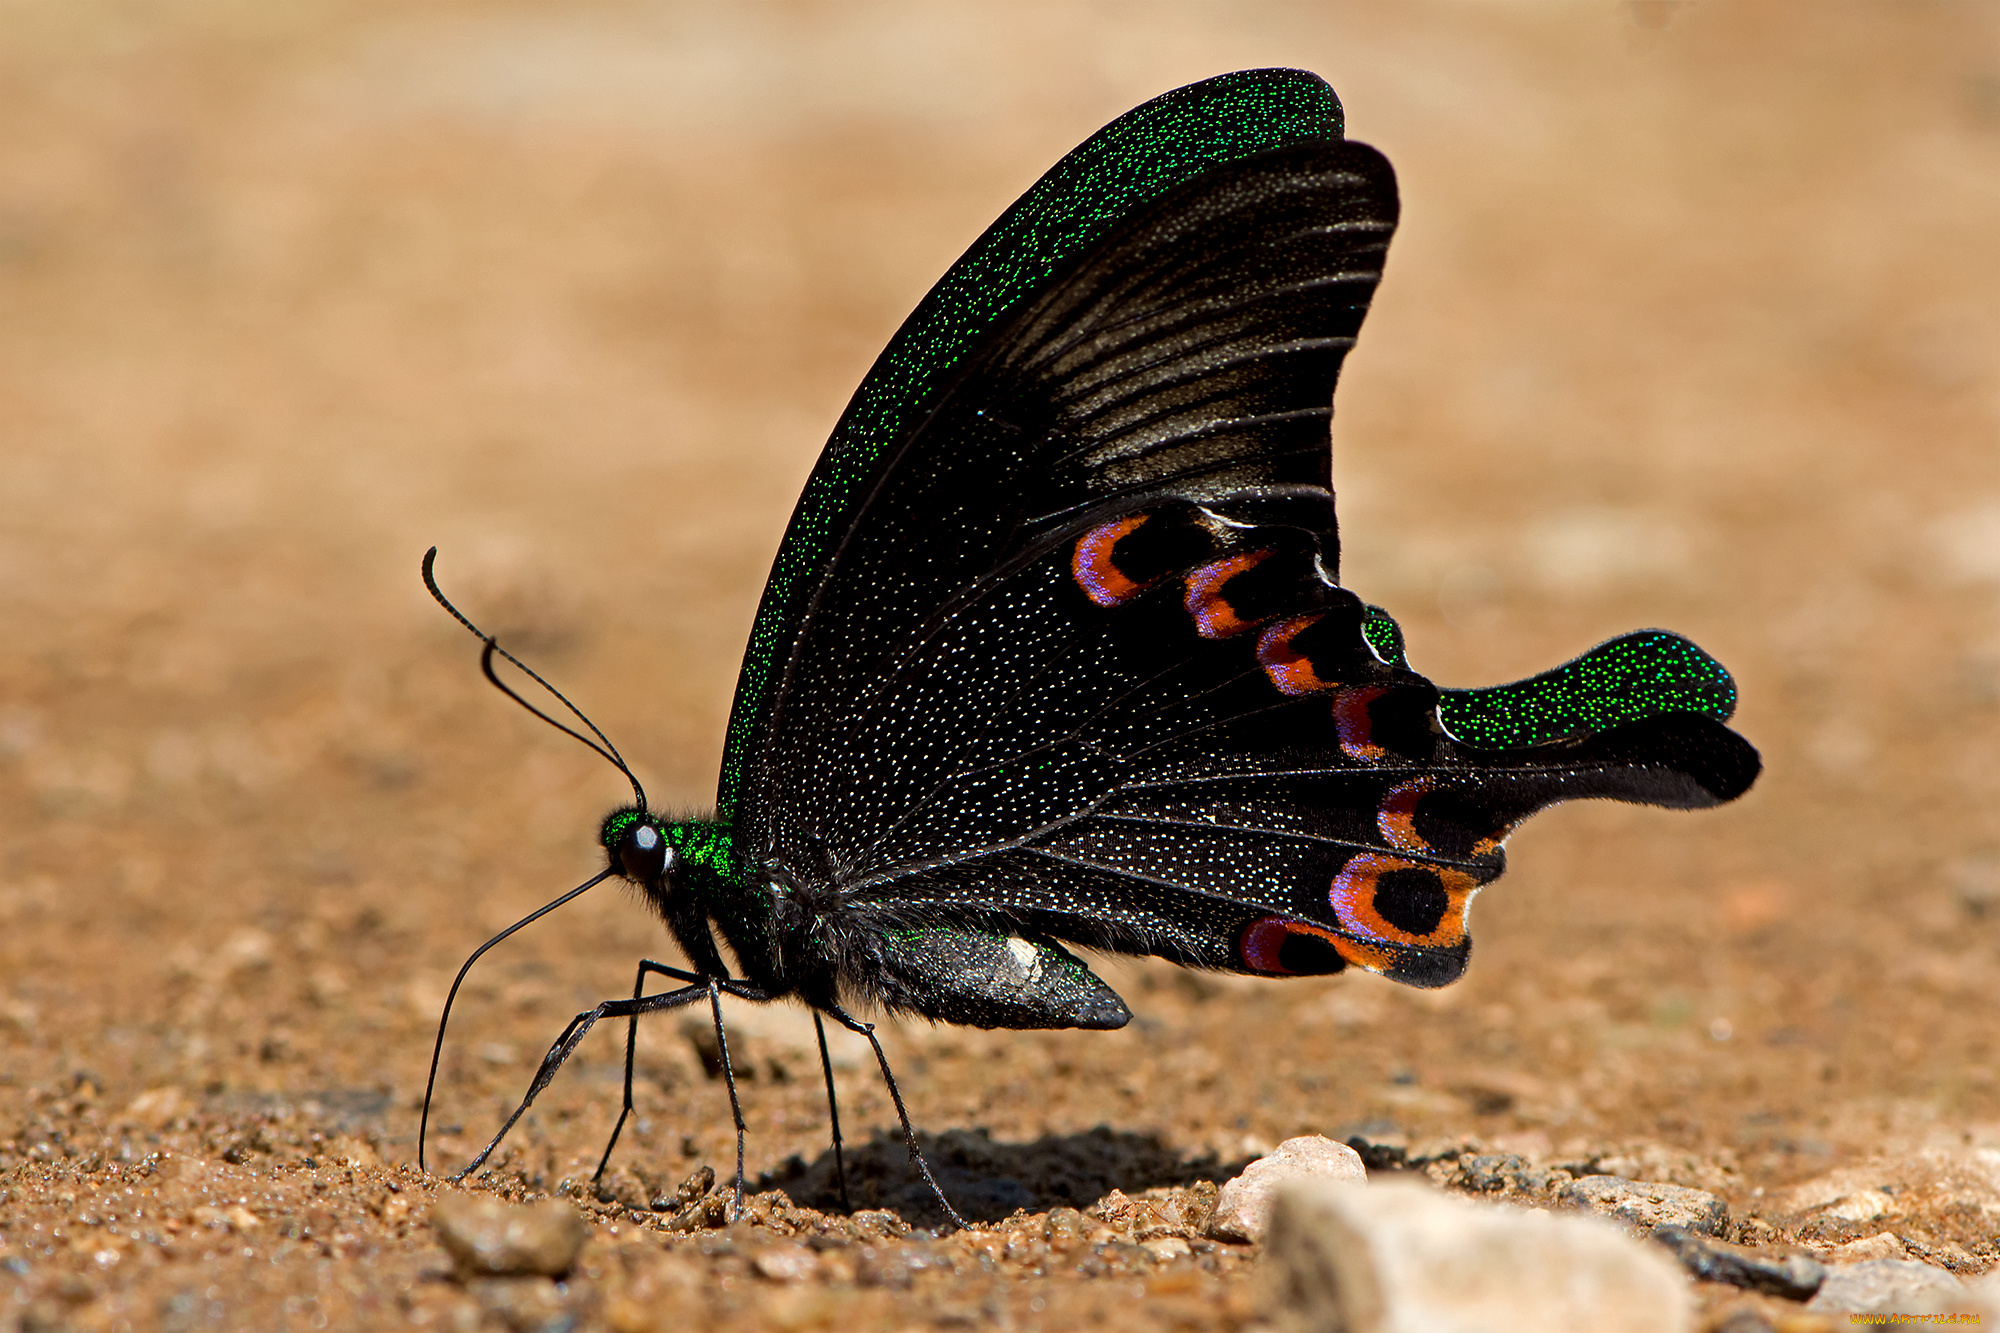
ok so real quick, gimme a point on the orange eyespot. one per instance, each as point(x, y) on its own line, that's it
point(1402, 902)
point(1356, 727)
point(1289, 669)
point(1208, 596)
point(1279, 946)
point(1397, 815)
point(1092, 566)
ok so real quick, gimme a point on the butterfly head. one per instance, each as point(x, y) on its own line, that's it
point(636, 841)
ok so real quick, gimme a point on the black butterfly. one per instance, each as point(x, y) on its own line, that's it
point(1055, 651)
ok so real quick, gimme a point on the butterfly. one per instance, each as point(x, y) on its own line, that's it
point(1055, 656)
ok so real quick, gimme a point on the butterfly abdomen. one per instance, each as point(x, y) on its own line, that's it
point(989, 979)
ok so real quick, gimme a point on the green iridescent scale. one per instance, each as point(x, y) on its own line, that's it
point(1638, 676)
point(708, 845)
point(1134, 160)
point(618, 825)
point(1385, 636)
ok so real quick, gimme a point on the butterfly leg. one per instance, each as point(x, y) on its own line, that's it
point(567, 1043)
point(646, 966)
point(729, 1080)
point(867, 1030)
point(832, 1110)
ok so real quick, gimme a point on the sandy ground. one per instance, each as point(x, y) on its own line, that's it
point(1694, 320)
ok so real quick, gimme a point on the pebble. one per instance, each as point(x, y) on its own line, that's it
point(894, 1266)
point(1648, 1205)
point(1405, 1258)
point(1792, 1276)
point(1243, 1208)
point(1881, 1245)
point(787, 1263)
point(1977, 1301)
point(522, 1302)
point(1502, 1173)
point(156, 1108)
point(694, 1188)
point(489, 1237)
point(1957, 1177)
point(1882, 1286)
point(1864, 1206)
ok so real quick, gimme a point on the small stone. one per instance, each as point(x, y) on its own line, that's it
point(1490, 1173)
point(688, 1191)
point(156, 1107)
point(1404, 1258)
point(701, 1215)
point(76, 1289)
point(787, 1263)
point(878, 1223)
point(246, 950)
point(1166, 1249)
point(487, 1237)
point(1865, 1206)
point(1648, 1205)
point(1064, 1229)
point(894, 1267)
point(1506, 1173)
point(1881, 1245)
point(236, 1218)
point(1792, 1276)
point(1243, 1209)
point(622, 1186)
point(1882, 1286)
point(1978, 1298)
point(534, 1303)
point(1977, 879)
point(1380, 1152)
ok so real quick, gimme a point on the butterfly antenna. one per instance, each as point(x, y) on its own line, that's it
point(437, 1051)
point(605, 749)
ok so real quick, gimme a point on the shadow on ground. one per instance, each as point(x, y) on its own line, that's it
point(987, 1180)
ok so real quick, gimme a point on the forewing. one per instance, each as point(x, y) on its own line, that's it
point(1180, 376)
point(1125, 166)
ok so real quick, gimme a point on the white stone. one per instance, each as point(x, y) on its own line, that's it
point(1980, 1297)
point(1404, 1258)
point(1881, 1245)
point(1915, 1181)
point(1861, 1206)
point(1243, 1208)
point(1884, 1286)
point(786, 1263)
point(488, 1237)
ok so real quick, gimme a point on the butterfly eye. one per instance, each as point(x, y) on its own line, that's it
point(644, 853)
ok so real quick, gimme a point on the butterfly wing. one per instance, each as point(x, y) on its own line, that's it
point(1126, 165)
point(1076, 665)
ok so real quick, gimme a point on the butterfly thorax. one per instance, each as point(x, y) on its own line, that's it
point(782, 925)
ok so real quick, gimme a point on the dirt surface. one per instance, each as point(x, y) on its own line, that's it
point(1694, 320)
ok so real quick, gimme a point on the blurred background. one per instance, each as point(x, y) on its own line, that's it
point(1693, 320)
